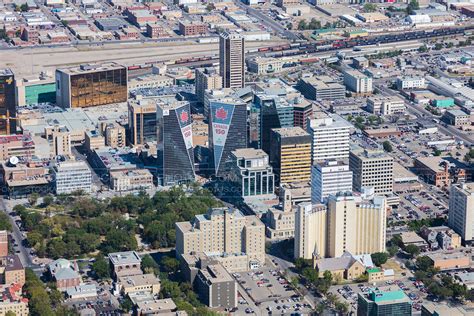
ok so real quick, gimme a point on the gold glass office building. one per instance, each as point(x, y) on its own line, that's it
point(7, 102)
point(91, 85)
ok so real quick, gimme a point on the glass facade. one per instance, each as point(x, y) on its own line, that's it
point(98, 88)
point(145, 127)
point(174, 143)
point(40, 93)
point(7, 103)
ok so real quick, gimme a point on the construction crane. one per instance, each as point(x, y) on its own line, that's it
point(7, 118)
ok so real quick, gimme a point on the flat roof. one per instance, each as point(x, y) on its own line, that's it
point(88, 68)
point(216, 273)
point(138, 280)
point(126, 257)
point(249, 153)
point(290, 131)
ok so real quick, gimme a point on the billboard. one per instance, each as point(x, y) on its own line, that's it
point(221, 117)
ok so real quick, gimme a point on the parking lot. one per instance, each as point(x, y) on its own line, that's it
point(270, 292)
point(414, 290)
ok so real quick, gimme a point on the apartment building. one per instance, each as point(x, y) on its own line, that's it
point(330, 138)
point(216, 287)
point(461, 210)
point(222, 231)
point(329, 178)
point(290, 155)
point(114, 134)
point(60, 138)
point(71, 176)
point(358, 82)
point(371, 168)
point(310, 230)
point(11, 270)
point(351, 223)
point(3, 243)
point(206, 79)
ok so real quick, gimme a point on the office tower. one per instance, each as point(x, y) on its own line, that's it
point(60, 138)
point(142, 121)
point(290, 155)
point(216, 287)
point(384, 303)
point(206, 79)
point(330, 135)
point(3, 243)
point(227, 131)
point(7, 102)
point(232, 60)
point(174, 142)
point(310, 230)
point(275, 112)
point(329, 178)
point(222, 231)
point(355, 224)
point(320, 88)
point(251, 172)
point(371, 168)
point(71, 176)
point(302, 111)
point(461, 210)
point(91, 85)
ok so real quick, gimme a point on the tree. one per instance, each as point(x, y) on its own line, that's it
point(149, 265)
point(5, 222)
point(342, 308)
point(170, 264)
point(48, 200)
point(412, 6)
point(392, 250)
point(423, 49)
point(302, 25)
point(387, 146)
point(437, 152)
point(370, 7)
point(314, 24)
point(379, 258)
point(24, 7)
point(412, 250)
point(320, 308)
point(33, 198)
point(100, 267)
point(126, 304)
point(294, 282)
point(424, 263)
point(438, 46)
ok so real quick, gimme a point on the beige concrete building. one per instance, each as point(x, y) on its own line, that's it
point(114, 134)
point(310, 230)
point(386, 105)
point(146, 283)
point(125, 263)
point(93, 140)
point(265, 65)
point(371, 168)
point(131, 180)
point(60, 140)
point(13, 302)
point(16, 145)
point(3, 243)
point(461, 210)
point(345, 267)
point(206, 79)
point(355, 225)
point(11, 270)
point(222, 231)
point(349, 223)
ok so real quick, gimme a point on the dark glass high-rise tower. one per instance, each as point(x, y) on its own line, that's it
point(174, 142)
point(7, 102)
point(227, 131)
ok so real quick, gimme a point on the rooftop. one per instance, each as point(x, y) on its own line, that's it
point(216, 273)
point(290, 131)
point(138, 280)
point(249, 153)
point(90, 68)
point(126, 257)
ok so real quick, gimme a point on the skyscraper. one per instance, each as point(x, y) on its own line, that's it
point(461, 210)
point(7, 102)
point(174, 142)
point(232, 60)
point(330, 177)
point(142, 121)
point(206, 78)
point(227, 131)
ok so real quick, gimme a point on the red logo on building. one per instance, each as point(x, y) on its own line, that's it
point(221, 113)
point(184, 116)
